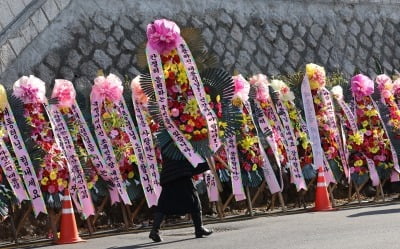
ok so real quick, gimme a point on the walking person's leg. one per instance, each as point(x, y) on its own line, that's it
point(155, 231)
point(200, 230)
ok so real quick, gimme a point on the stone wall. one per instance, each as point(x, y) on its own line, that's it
point(273, 37)
point(20, 22)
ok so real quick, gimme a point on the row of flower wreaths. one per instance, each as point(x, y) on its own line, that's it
point(349, 142)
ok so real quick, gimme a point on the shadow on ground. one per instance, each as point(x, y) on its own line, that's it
point(385, 211)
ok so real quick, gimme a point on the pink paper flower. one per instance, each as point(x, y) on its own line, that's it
point(64, 91)
point(362, 86)
point(260, 82)
point(107, 88)
point(383, 81)
point(242, 87)
point(396, 87)
point(175, 112)
point(137, 90)
point(30, 89)
point(337, 92)
point(163, 35)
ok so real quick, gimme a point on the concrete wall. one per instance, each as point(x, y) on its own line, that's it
point(269, 36)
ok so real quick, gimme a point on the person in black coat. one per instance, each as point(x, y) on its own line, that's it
point(179, 195)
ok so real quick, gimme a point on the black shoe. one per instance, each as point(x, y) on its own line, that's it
point(202, 232)
point(155, 236)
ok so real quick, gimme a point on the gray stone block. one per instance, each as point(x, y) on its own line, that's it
point(346, 14)
point(50, 9)
point(261, 59)
point(270, 31)
point(89, 69)
point(241, 20)
point(128, 45)
point(254, 69)
point(126, 23)
point(264, 45)
point(326, 42)
point(378, 28)
point(53, 60)
point(62, 3)
point(103, 22)
point(367, 28)
point(224, 18)
point(253, 32)
point(365, 41)
point(84, 46)
point(287, 31)
point(67, 73)
point(208, 36)
point(278, 59)
point(28, 31)
point(316, 31)
point(309, 55)
point(16, 6)
point(7, 55)
point(354, 28)
point(117, 32)
point(219, 48)
point(124, 61)
point(228, 60)
point(45, 74)
point(294, 58)
point(249, 45)
point(281, 46)
point(112, 48)
point(73, 58)
point(244, 57)
point(298, 44)
point(102, 59)
point(231, 45)
point(17, 42)
point(39, 20)
point(301, 30)
point(236, 33)
point(221, 34)
point(6, 16)
point(97, 36)
point(209, 19)
point(197, 22)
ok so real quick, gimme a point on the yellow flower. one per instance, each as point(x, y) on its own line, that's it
point(60, 182)
point(204, 130)
point(358, 163)
point(365, 123)
point(317, 101)
point(188, 136)
point(53, 175)
point(132, 159)
point(374, 149)
point(222, 124)
point(254, 167)
point(221, 133)
point(90, 185)
point(247, 142)
point(196, 132)
point(293, 114)
point(106, 115)
point(190, 122)
point(349, 147)
point(44, 181)
point(182, 127)
point(131, 175)
point(236, 101)
point(182, 78)
point(218, 98)
point(65, 184)
point(357, 138)
point(95, 178)
point(191, 108)
point(208, 98)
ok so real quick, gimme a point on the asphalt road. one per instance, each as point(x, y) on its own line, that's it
point(352, 227)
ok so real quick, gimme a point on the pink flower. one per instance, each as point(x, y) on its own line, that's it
point(137, 91)
point(382, 80)
point(396, 87)
point(362, 86)
point(163, 35)
point(30, 90)
point(65, 93)
point(174, 112)
point(51, 189)
point(260, 82)
point(107, 88)
point(258, 79)
point(242, 87)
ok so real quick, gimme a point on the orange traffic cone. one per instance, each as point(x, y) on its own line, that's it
point(68, 231)
point(322, 202)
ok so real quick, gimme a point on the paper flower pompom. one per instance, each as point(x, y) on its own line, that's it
point(137, 90)
point(242, 87)
point(163, 35)
point(362, 86)
point(260, 82)
point(65, 92)
point(384, 82)
point(30, 90)
point(3, 98)
point(337, 92)
point(284, 91)
point(109, 87)
point(316, 76)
